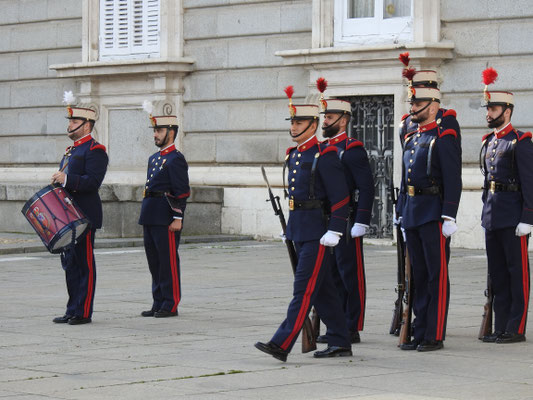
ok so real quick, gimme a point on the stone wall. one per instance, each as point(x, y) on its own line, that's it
point(234, 101)
point(35, 34)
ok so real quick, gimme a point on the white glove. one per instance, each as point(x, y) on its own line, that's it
point(522, 229)
point(330, 239)
point(403, 234)
point(448, 228)
point(283, 237)
point(396, 221)
point(358, 230)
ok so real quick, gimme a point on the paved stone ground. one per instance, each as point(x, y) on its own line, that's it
point(233, 295)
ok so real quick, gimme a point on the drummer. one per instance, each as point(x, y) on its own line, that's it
point(81, 173)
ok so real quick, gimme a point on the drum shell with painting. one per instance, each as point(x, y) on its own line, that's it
point(55, 217)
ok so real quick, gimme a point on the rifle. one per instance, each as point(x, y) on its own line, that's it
point(400, 289)
point(405, 330)
point(486, 322)
point(308, 339)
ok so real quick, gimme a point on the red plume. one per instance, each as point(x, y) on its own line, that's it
point(489, 76)
point(404, 58)
point(321, 84)
point(409, 73)
point(289, 91)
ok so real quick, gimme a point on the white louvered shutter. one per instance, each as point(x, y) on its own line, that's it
point(129, 29)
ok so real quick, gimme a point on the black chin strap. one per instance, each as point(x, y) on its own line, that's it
point(330, 125)
point(83, 123)
point(302, 132)
point(419, 111)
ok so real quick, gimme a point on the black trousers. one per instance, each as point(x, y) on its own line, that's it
point(80, 274)
point(508, 265)
point(429, 252)
point(161, 248)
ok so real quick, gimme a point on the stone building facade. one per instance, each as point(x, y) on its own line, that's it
point(221, 66)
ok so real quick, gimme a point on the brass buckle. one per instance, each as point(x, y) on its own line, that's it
point(492, 186)
point(410, 190)
point(144, 193)
point(291, 204)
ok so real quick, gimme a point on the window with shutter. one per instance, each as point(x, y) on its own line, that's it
point(129, 29)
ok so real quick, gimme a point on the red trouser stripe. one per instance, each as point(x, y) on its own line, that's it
point(361, 280)
point(304, 308)
point(174, 269)
point(443, 284)
point(90, 283)
point(525, 283)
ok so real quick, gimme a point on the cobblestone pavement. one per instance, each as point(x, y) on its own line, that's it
point(234, 294)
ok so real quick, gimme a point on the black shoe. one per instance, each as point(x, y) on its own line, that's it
point(430, 345)
point(273, 349)
point(412, 345)
point(508, 337)
point(149, 313)
point(322, 339)
point(492, 337)
point(354, 337)
point(79, 320)
point(62, 320)
point(165, 314)
point(333, 351)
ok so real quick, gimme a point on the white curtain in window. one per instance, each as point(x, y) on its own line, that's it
point(396, 8)
point(361, 8)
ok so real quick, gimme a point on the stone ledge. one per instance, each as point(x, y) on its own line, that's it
point(123, 67)
point(112, 193)
point(366, 54)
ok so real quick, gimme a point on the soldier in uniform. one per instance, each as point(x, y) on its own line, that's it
point(81, 173)
point(317, 190)
point(506, 160)
point(431, 186)
point(163, 206)
point(349, 271)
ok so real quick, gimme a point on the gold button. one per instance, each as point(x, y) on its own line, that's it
point(408, 179)
point(491, 167)
point(416, 143)
point(292, 180)
point(418, 135)
point(151, 175)
point(159, 158)
point(411, 160)
point(492, 159)
point(492, 177)
point(299, 155)
point(412, 152)
point(495, 142)
point(293, 171)
point(292, 188)
point(297, 162)
point(409, 170)
point(494, 150)
point(148, 180)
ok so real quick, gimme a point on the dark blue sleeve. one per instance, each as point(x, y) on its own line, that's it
point(450, 159)
point(356, 161)
point(332, 175)
point(95, 169)
point(524, 163)
point(179, 183)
